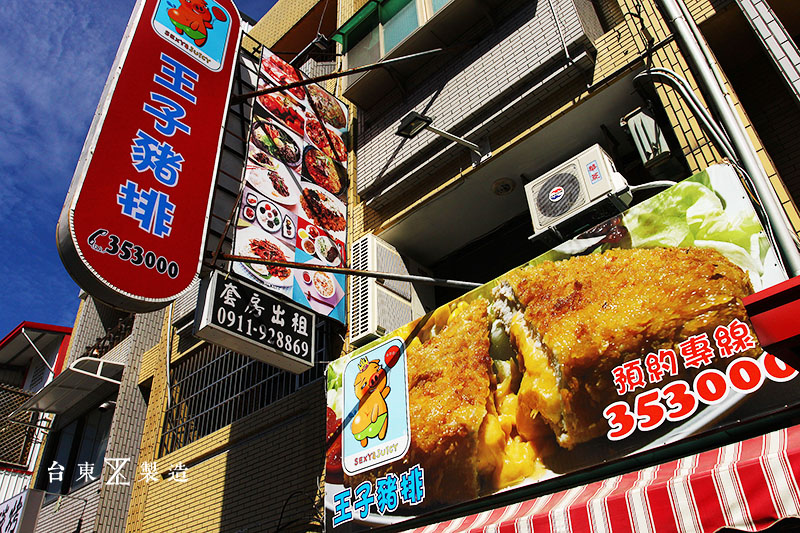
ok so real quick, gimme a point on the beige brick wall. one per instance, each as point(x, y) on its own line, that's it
point(277, 21)
point(240, 476)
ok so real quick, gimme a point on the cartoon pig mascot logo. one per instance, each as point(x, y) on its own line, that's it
point(193, 18)
point(372, 418)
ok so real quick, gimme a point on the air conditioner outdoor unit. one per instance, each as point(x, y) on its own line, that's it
point(587, 185)
point(377, 306)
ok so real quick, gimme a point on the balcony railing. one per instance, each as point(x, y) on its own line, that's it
point(115, 335)
point(16, 440)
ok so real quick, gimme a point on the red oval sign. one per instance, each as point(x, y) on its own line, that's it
point(132, 229)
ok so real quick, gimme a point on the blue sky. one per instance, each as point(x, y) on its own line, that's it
point(54, 59)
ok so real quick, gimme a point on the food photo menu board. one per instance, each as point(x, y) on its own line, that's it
point(293, 205)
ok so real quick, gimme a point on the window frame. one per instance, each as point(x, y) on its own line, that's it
point(77, 443)
point(424, 11)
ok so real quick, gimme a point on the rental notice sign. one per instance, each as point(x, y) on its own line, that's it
point(132, 227)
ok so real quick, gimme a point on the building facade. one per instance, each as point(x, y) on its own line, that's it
point(183, 435)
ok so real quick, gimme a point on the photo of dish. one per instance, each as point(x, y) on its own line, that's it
point(268, 216)
point(288, 228)
point(282, 73)
point(275, 141)
point(322, 170)
point(316, 133)
point(552, 381)
point(275, 182)
point(249, 213)
point(308, 246)
point(324, 209)
point(324, 284)
point(558, 352)
point(253, 242)
point(330, 109)
point(326, 250)
point(285, 108)
point(251, 199)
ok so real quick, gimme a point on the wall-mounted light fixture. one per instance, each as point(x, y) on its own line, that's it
point(414, 122)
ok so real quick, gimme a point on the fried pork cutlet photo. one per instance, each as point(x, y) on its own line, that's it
point(465, 446)
point(573, 321)
point(496, 389)
point(449, 386)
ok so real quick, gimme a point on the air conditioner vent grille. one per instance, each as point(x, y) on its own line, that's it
point(559, 194)
point(377, 308)
point(394, 311)
point(391, 262)
point(359, 287)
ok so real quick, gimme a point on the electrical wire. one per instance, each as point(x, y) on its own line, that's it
point(722, 140)
point(653, 185)
point(322, 17)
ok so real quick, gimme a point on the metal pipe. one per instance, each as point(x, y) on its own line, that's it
point(239, 98)
point(26, 424)
point(697, 56)
point(560, 33)
point(458, 140)
point(353, 272)
point(38, 352)
point(663, 184)
point(682, 86)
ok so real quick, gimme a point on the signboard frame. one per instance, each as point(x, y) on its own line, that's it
point(692, 378)
point(209, 327)
point(98, 269)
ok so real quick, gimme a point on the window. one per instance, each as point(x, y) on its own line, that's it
point(74, 454)
point(381, 26)
point(213, 387)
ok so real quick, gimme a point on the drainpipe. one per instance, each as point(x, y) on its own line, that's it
point(698, 55)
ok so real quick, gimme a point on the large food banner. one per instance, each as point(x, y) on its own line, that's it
point(629, 337)
point(293, 205)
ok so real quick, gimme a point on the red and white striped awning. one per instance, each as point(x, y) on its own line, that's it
point(747, 485)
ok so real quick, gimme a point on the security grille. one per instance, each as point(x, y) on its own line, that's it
point(15, 439)
point(214, 387)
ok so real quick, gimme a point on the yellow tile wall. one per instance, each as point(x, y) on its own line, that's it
point(278, 21)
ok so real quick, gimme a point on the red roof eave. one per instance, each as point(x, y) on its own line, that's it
point(34, 325)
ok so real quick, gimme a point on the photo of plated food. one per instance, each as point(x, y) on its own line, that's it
point(500, 384)
point(255, 242)
point(323, 208)
point(294, 177)
point(324, 284)
point(325, 248)
point(285, 108)
point(322, 170)
point(273, 180)
point(282, 73)
point(273, 139)
point(329, 108)
point(320, 136)
point(268, 216)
